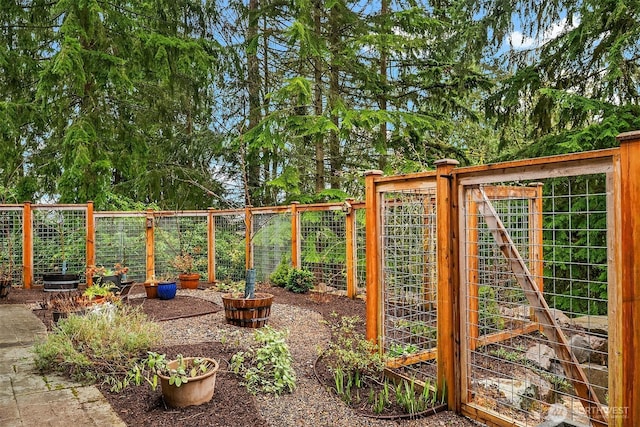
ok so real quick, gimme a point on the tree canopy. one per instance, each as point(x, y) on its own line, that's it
point(191, 103)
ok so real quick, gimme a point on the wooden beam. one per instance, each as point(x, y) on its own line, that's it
point(411, 359)
point(150, 245)
point(91, 241)
point(630, 272)
point(445, 297)
point(505, 335)
point(550, 327)
point(27, 245)
point(372, 224)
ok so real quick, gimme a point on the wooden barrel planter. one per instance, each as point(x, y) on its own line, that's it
point(247, 313)
point(56, 282)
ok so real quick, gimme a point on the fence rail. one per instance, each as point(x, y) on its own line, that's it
point(38, 239)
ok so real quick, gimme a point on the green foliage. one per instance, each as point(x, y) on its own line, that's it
point(300, 281)
point(489, 311)
point(280, 276)
point(268, 368)
point(411, 400)
point(96, 346)
point(349, 352)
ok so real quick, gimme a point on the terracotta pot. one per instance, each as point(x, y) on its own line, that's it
point(195, 391)
point(189, 280)
point(151, 289)
point(247, 312)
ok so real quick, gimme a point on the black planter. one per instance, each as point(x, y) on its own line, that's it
point(56, 282)
point(103, 280)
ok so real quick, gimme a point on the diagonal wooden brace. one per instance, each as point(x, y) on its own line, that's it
point(550, 327)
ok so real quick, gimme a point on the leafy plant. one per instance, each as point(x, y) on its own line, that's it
point(397, 350)
point(280, 276)
point(155, 364)
point(267, 368)
point(99, 290)
point(300, 281)
point(489, 310)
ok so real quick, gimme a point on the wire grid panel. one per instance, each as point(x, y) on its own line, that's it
point(122, 239)
point(230, 247)
point(176, 234)
point(59, 240)
point(409, 270)
point(323, 246)
point(361, 251)
point(271, 242)
point(519, 372)
point(11, 243)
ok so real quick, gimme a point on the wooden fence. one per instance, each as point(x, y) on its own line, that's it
point(474, 273)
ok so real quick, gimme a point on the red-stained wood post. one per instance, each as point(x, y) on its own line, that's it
point(373, 255)
point(628, 414)
point(446, 298)
point(211, 245)
point(27, 245)
point(150, 245)
point(91, 241)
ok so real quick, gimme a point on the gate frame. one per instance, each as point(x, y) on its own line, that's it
point(623, 237)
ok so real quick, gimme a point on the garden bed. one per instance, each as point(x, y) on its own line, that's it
point(311, 404)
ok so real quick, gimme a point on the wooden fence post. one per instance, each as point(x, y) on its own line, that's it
point(446, 297)
point(27, 245)
point(91, 241)
point(629, 239)
point(295, 236)
point(211, 246)
point(373, 255)
point(150, 245)
point(350, 236)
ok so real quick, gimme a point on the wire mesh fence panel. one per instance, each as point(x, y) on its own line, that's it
point(525, 362)
point(59, 241)
point(11, 243)
point(409, 297)
point(180, 234)
point(271, 242)
point(361, 252)
point(323, 247)
point(230, 245)
point(121, 239)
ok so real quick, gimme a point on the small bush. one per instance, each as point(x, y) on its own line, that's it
point(280, 276)
point(268, 368)
point(300, 281)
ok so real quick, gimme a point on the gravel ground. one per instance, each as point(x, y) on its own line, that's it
point(310, 404)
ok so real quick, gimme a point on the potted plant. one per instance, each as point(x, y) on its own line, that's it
point(186, 264)
point(60, 280)
point(249, 309)
point(185, 381)
point(98, 292)
point(102, 275)
point(163, 288)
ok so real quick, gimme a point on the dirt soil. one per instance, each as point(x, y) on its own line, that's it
point(232, 405)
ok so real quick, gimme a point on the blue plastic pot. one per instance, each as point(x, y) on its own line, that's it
point(167, 290)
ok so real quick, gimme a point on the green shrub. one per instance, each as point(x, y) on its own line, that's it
point(97, 346)
point(269, 368)
point(300, 281)
point(280, 276)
